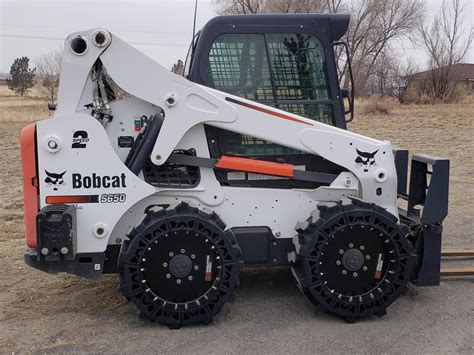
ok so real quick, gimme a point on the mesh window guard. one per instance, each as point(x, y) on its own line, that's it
point(286, 71)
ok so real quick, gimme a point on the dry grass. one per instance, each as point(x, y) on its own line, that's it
point(15, 113)
point(445, 130)
point(30, 297)
point(375, 106)
point(21, 109)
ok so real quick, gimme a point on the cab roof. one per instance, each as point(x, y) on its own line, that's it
point(335, 24)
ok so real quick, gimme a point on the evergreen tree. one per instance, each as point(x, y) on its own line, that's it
point(22, 77)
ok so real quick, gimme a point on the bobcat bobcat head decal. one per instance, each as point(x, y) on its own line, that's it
point(365, 159)
point(54, 180)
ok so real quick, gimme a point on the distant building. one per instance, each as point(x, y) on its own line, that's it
point(462, 74)
point(3, 79)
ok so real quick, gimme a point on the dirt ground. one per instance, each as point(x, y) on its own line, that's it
point(63, 313)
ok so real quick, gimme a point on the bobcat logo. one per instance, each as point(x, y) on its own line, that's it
point(365, 159)
point(54, 180)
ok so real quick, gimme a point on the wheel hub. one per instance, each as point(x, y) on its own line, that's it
point(181, 265)
point(353, 259)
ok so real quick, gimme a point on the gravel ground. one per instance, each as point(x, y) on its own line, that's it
point(63, 313)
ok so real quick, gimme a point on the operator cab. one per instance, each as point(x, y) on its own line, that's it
point(284, 61)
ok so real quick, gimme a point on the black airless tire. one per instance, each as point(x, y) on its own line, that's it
point(352, 259)
point(180, 266)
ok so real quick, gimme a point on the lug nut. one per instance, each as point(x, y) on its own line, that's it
point(190, 278)
point(338, 262)
point(178, 281)
point(45, 251)
point(171, 254)
point(344, 272)
point(362, 247)
point(351, 245)
point(367, 257)
point(364, 268)
point(354, 274)
point(193, 256)
point(196, 267)
point(183, 251)
point(341, 251)
point(64, 250)
point(168, 276)
point(165, 264)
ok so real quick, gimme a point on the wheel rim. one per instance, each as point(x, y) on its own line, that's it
point(358, 263)
point(181, 268)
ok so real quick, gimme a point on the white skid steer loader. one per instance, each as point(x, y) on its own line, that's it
point(175, 183)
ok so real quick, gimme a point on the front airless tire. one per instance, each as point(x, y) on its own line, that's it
point(352, 259)
point(180, 266)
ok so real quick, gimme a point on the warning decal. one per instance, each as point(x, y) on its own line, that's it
point(378, 270)
point(208, 276)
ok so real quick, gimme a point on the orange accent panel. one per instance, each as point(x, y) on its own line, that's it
point(68, 199)
point(30, 191)
point(255, 166)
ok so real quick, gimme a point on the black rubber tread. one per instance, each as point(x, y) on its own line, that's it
point(324, 222)
point(156, 225)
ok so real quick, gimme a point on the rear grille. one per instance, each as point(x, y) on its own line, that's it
point(172, 174)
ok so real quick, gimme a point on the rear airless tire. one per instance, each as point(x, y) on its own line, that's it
point(180, 266)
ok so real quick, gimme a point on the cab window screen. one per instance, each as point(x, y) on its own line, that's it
point(298, 67)
point(286, 71)
point(238, 65)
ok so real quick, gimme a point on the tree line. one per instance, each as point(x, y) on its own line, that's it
point(46, 73)
point(375, 31)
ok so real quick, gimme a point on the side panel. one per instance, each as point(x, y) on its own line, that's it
point(91, 177)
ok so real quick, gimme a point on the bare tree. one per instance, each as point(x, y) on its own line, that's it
point(401, 72)
point(49, 67)
point(375, 24)
point(296, 6)
point(382, 81)
point(228, 7)
point(334, 6)
point(236, 7)
point(446, 42)
point(389, 77)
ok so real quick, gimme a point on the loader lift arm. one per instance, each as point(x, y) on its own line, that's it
point(180, 98)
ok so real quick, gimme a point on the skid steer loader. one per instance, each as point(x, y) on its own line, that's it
point(175, 183)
